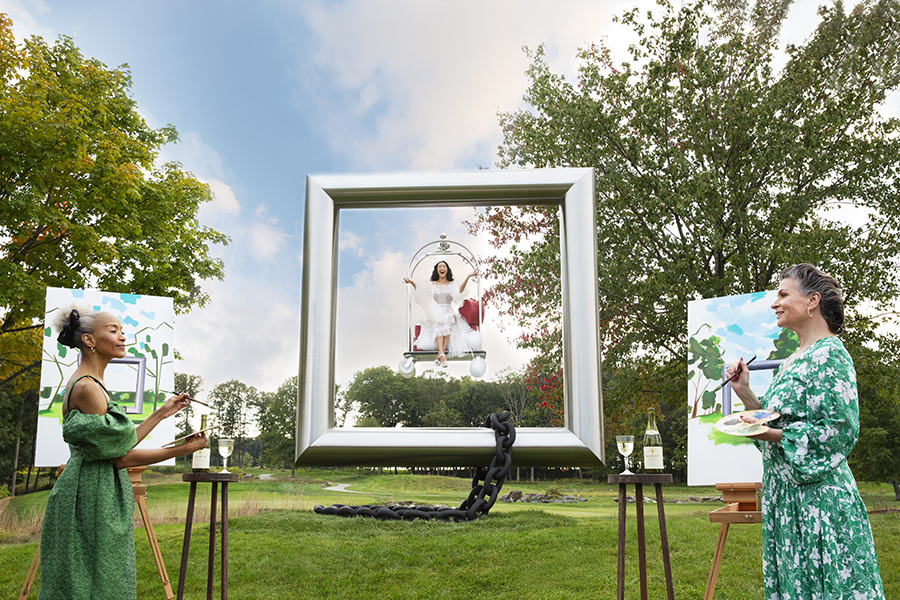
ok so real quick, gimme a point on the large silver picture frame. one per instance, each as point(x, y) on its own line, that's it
point(578, 444)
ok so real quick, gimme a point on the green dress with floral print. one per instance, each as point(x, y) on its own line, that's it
point(87, 541)
point(817, 541)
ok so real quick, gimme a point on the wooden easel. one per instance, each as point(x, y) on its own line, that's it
point(740, 507)
point(140, 498)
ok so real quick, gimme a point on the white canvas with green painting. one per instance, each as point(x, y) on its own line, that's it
point(720, 331)
point(139, 382)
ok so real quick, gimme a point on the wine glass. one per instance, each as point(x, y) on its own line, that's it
point(625, 444)
point(226, 447)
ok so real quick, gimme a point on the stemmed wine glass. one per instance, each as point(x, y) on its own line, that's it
point(226, 447)
point(625, 444)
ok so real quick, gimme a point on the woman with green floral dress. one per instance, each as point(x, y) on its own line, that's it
point(817, 541)
point(87, 540)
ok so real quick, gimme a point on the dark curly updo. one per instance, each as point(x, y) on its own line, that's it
point(810, 279)
point(73, 322)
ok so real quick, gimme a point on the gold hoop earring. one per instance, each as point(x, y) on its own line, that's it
point(92, 348)
point(808, 312)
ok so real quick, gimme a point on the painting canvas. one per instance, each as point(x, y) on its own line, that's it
point(722, 330)
point(139, 382)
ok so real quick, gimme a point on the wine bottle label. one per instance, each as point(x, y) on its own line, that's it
point(201, 460)
point(653, 457)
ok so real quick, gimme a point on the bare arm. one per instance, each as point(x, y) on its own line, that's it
point(465, 282)
point(139, 457)
point(409, 281)
point(172, 406)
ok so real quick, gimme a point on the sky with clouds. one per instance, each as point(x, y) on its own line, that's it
point(265, 93)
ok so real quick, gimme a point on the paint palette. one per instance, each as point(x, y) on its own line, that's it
point(747, 423)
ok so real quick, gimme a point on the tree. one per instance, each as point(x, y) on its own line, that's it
point(191, 385)
point(383, 396)
point(277, 422)
point(714, 169)
point(83, 202)
point(18, 424)
point(876, 456)
point(515, 394)
point(233, 403)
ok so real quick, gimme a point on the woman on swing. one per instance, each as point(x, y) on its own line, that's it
point(444, 330)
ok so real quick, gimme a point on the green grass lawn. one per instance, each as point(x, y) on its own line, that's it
point(279, 549)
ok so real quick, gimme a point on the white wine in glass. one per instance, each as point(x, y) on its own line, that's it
point(226, 447)
point(625, 445)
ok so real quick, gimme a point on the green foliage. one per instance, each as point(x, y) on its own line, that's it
point(786, 344)
point(385, 399)
point(83, 201)
point(707, 355)
point(714, 170)
point(232, 403)
point(277, 421)
point(18, 422)
point(876, 456)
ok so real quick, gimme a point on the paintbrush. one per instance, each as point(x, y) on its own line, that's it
point(733, 376)
point(207, 405)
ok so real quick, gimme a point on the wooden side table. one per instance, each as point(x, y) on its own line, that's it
point(639, 481)
point(215, 479)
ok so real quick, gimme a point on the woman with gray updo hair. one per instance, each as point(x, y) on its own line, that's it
point(817, 541)
point(811, 280)
point(87, 540)
point(73, 322)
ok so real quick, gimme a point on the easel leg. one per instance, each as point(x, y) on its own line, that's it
point(642, 550)
point(154, 546)
point(664, 540)
point(32, 573)
point(187, 539)
point(717, 562)
point(620, 577)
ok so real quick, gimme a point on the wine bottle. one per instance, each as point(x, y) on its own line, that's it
point(200, 461)
point(653, 450)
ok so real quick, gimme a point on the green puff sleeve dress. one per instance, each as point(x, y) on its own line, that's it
point(817, 541)
point(87, 542)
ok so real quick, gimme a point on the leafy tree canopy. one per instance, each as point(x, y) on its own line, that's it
point(715, 169)
point(83, 202)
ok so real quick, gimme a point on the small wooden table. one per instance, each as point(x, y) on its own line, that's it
point(215, 479)
point(639, 481)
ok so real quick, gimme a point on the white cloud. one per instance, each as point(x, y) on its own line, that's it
point(225, 200)
point(24, 23)
point(265, 240)
point(418, 84)
point(350, 242)
point(250, 337)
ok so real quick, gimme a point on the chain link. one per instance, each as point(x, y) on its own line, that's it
point(480, 501)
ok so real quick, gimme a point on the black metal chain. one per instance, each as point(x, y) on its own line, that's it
point(481, 499)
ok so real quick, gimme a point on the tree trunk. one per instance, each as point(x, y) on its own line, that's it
point(896, 490)
point(12, 487)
